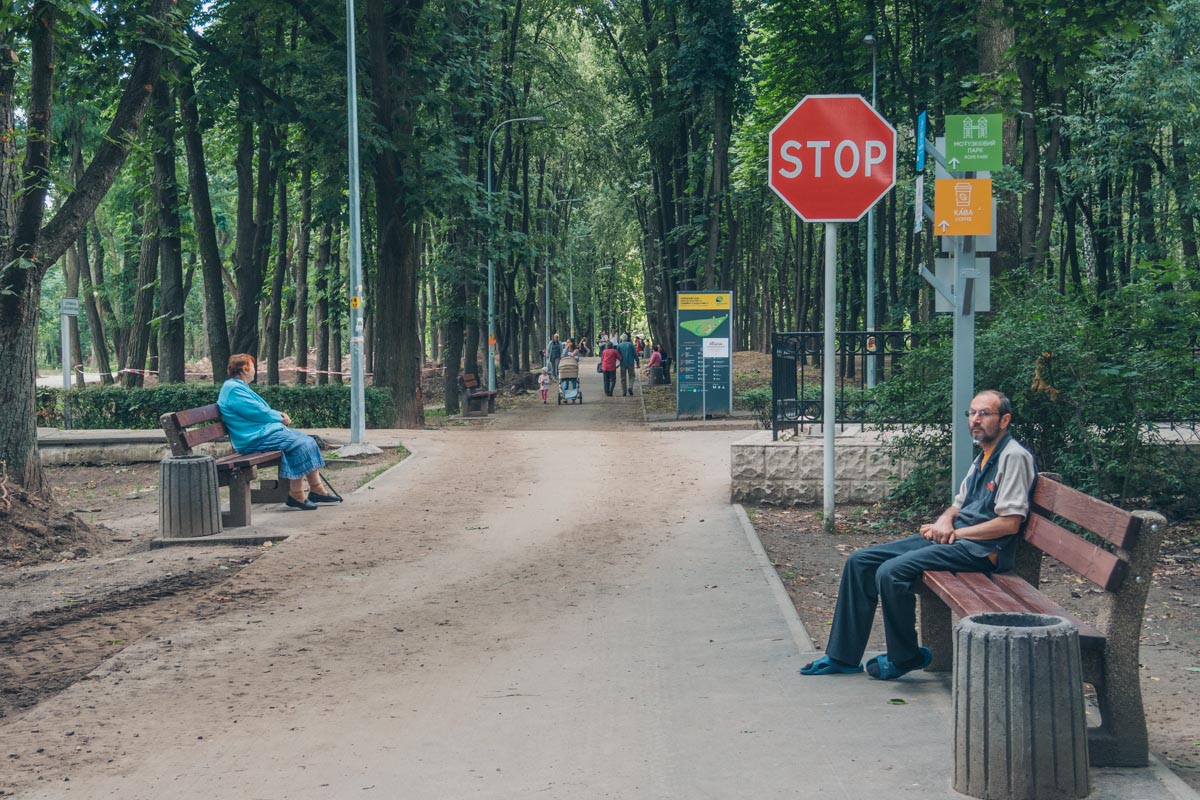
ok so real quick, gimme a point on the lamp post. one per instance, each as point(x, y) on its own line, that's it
point(358, 427)
point(490, 270)
point(870, 42)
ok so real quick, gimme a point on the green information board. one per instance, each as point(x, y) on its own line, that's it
point(704, 363)
point(973, 142)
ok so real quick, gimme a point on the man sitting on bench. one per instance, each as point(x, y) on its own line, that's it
point(254, 427)
point(978, 533)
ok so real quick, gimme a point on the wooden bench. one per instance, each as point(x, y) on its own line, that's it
point(1118, 556)
point(476, 400)
point(186, 429)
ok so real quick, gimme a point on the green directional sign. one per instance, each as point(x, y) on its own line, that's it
point(973, 142)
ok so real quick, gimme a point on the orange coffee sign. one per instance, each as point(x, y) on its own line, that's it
point(962, 207)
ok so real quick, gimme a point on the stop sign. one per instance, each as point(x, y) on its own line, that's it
point(832, 157)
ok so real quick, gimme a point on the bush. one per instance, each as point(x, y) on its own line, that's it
point(759, 401)
point(1088, 382)
point(139, 409)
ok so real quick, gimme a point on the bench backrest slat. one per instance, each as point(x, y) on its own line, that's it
point(1106, 521)
point(183, 438)
point(197, 416)
point(1091, 561)
point(470, 381)
point(209, 433)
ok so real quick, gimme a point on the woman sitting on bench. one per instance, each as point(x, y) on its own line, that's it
point(254, 427)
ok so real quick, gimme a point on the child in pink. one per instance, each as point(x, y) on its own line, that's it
point(544, 383)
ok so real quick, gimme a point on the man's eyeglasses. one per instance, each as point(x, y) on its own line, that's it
point(982, 413)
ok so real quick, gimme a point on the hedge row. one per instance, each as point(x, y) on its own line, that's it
point(139, 409)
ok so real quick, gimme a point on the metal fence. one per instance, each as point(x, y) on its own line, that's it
point(796, 374)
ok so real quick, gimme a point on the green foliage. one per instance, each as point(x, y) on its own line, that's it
point(1088, 385)
point(757, 400)
point(139, 409)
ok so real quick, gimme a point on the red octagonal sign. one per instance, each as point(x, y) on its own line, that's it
point(832, 158)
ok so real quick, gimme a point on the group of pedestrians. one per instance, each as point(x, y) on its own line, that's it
point(621, 355)
point(618, 356)
point(562, 364)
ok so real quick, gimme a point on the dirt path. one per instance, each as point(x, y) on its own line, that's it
point(331, 646)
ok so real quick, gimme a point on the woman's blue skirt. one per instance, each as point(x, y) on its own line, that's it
point(300, 452)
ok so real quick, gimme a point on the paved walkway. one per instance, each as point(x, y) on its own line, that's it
point(576, 613)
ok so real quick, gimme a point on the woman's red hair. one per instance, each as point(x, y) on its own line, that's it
point(239, 363)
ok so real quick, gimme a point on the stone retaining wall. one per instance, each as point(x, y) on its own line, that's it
point(790, 473)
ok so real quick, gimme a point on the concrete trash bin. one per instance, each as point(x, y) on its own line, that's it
point(188, 501)
point(1019, 726)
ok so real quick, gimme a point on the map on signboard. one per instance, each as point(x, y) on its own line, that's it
point(703, 327)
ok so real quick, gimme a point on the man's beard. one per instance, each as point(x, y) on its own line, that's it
point(982, 438)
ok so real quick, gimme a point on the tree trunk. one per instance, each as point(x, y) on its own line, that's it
point(302, 275)
point(166, 190)
point(1030, 161)
point(277, 280)
point(215, 322)
point(392, 28)
point(995, 39)
point(1182, 181)
point(264, 219)
point(334, 291)
point(322, 304)
point(92, 309)
point(143, 305)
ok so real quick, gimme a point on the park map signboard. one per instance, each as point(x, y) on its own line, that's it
point(704, 336)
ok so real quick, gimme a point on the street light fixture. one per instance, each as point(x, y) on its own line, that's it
point(870, 42)
point(490, 269)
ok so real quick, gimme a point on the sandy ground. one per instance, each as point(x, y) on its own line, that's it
point(489, 531)
point(420, 640)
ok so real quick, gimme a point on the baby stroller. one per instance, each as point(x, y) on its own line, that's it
point(568, 381)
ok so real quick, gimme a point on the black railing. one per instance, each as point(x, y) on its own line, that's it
point(796, 375)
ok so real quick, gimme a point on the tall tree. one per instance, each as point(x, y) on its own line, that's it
point(29, 245)
point(392, 31)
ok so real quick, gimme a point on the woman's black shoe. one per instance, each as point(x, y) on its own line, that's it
point(306, 505)
point(313, 497)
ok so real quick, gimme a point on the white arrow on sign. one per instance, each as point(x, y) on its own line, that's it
point(953, 163)
point(943, 225)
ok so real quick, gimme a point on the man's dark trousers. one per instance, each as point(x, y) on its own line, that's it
point(888, 572)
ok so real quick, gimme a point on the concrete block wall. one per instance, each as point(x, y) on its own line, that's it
point(790, 473)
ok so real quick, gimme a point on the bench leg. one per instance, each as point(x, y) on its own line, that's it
point(239, 499)
point(1121, 739)
point(473, 407)
point(275, 491)
point(936, 633)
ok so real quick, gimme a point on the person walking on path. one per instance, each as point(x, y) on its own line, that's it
point(554, 353)
point(629, 362)
point(544, 383)
point(977, 533)
point(253, 427)
point(610, 359)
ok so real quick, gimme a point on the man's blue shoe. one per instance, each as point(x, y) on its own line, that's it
point(828, 666)
point(881, 667)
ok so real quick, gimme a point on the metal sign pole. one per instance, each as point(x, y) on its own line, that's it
point(64, 322)
point(831, 232)
point(964, 358)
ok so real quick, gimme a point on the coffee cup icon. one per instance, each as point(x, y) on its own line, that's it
point(962, 195)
